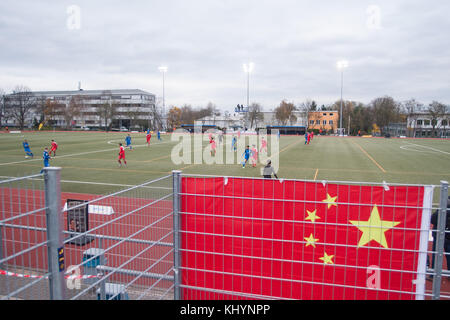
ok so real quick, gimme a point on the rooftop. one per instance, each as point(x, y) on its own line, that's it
point(94, 92)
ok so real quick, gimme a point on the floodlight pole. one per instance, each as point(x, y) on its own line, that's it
point(248, 88)
point(340, 114)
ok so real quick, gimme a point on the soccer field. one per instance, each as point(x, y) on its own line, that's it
point(89, 159)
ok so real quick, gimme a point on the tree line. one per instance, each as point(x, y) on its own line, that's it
point(357, 117)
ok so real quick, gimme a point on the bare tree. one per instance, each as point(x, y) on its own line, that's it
point(436, 110)
point(73, 110)
point(411, 108)
point(254, 115)
point(385, 110)
point(19, 105)
point(52, 110)
point(2, 105)
point(285, 112)
point(156, 118)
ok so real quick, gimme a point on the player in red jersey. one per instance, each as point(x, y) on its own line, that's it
point(148, 136)
point(263, 145)
point(254, 156)
point(121, 155)
point(53, 148)
point(212, 143)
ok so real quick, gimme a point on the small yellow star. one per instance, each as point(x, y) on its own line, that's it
point(327, 259)
point(311, 241)
point(312, 216)
point(330, 200)
point(374, 229)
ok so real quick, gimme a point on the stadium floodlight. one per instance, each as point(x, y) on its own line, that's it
point(248, 68)
point(163, 69)
point(341, 65)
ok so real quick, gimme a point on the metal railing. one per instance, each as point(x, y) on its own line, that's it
point(213, 237)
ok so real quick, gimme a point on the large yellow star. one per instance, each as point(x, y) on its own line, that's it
point(310, 241)
point(327, 259)
point(312, 216)
point(374, 229)
point(330, 200)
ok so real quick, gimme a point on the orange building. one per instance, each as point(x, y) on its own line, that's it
point(325, 120)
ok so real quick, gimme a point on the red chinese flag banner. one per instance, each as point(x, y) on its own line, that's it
point(261, 238)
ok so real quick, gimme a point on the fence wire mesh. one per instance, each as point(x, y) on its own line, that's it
point(23, 250)
point(127, 253)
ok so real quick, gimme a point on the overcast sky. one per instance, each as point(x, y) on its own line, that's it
point(399, 48)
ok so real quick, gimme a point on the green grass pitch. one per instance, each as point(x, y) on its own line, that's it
point(89, 159)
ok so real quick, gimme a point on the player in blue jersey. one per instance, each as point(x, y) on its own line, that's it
point(234, 144)
point(128, 141)
point(247, 153)
point(159, 135)
point(27, 149)
point(46, 158)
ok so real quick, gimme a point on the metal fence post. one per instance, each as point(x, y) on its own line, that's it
point(176, 174)
point(440, 238)
point(55, 247)
point(1, 245)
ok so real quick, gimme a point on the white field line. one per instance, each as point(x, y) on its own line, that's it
point(437, 150)
point(73, 154)
point(411, 148)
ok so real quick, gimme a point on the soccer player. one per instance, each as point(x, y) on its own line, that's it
point(309, 137)
point(246, 154)
point(212, 143)
point(159, 135)
point(263, 145)
point(54, 147)
point(121, 155)
point(27, 149)
point(254, 156)
point(306, 137)
point(46, 157)
point(234, 144)
point(128, 141)
point(148, 136)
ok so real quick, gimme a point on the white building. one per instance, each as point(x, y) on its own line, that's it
point(424, 125)
point(132, 107)
point(238, 120)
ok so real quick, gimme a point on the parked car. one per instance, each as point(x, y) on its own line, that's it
point(123, 129)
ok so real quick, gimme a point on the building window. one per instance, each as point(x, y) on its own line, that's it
point(419, 122)
point(324, 114)
point(317, 121)
point(444, 123)
point(331, 114)
point(330, 122)
point(324, 122)
point(311, 122)
point(426, 122)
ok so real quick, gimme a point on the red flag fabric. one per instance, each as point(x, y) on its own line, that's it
point(262, 238)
